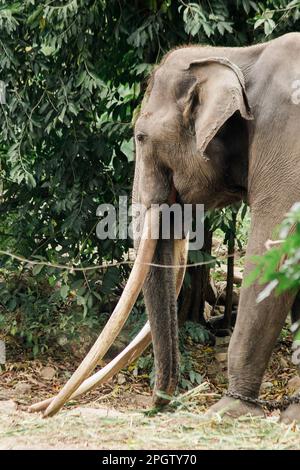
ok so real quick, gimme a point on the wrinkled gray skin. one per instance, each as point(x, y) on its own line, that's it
point(216, 141)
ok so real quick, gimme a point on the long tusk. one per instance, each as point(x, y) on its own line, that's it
point(181, 248)
point(127, 356)
point(118, 318)
point(137, 345)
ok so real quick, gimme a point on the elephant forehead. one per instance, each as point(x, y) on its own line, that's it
point(162, 76)
point(164, 82)
point(156, 121)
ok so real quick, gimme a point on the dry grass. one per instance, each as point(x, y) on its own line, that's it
point(107, 417)
point(106, 428)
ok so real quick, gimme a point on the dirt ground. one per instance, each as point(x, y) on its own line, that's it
point(94, 427)
point(117, 416)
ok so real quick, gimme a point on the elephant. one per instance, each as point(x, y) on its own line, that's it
point(217, 125)
point(220, 125)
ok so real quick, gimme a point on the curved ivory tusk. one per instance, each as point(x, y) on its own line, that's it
point(127, 356)
point(181, 248)
point(137, 345)
point(118, 318)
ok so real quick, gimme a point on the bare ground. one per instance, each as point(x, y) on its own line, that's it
point(106, 428)
point(114, 416)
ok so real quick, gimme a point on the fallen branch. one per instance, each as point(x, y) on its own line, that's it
point(271, 243)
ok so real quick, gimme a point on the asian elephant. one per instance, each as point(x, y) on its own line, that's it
point(220, 125)
point(217, 125)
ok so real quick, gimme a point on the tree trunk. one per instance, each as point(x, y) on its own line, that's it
point(226, 323)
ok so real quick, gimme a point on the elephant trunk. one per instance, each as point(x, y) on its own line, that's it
point(155, 186)
point(160, 300)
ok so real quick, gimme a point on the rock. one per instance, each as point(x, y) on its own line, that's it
point(238, 273)
point(22, 388)
point(222, 341)
point(221, 356)
point(207, 311)
point(47, 373)
point(6, 393)
point(121, 379)
point(283, 363)
point(222, 294)
point(266, 385)
point(294, 384)
point(8, 406)
point(62, 340)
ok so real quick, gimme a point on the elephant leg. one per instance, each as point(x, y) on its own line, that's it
point(160, 299)
point(292, 413)
point(257, 328)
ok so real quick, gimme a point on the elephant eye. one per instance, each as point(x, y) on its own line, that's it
point(140, 137)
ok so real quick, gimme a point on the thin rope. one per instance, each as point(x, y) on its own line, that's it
point(108, 265)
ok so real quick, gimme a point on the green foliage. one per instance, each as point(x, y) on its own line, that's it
point(190, 333)
point(231, 220)
point(197, 19)
point(279, 268)
point(39, 316)
point(195, 332)
point(75, 73)
point(275, 15)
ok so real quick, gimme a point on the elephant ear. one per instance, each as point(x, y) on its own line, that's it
point(216, 94)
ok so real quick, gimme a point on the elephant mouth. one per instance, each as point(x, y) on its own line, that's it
point(173, 195)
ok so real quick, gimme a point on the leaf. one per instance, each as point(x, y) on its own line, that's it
point(207, 29)
point(269, 26)
point(259, 22)
point(80, 300)
point(12, 304)
point(246, 6)
point(33, 17)
point(254, 5)
point(199, 378)
point(30, 180)
point(62, 114)
point(37, 268)
point(35, 350)
point(52, 281)
point(90, 301)
point(97, 295)
point(64, 290)
point(47, 50)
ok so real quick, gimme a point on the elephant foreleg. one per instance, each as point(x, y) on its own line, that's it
point(257, 328)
